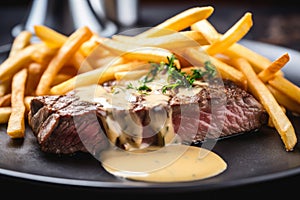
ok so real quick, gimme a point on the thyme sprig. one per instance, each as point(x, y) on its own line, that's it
point(181, 79)
point(176, 78)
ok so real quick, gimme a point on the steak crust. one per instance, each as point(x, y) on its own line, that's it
point(67, 124)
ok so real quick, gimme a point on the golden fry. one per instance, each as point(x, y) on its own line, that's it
point(235, 50)
point(68, 70)
point(27, 100)
point(16, 122)
point(88, 47)
point(287, 87)
point(49, 36)
point(258, 61)
point(59, 78)
point(268, 73)
point(172, 41)
point(233, 35)
point(55, 40)
point(270, 122)
point(4, 114)
point(281, 122)
point(20, 42)
point(134, 52)
point(14, 63)
point(284, 100)
point(5, 100)
point(99, 76)
point(130, 75)
point(43, 54)
point(68, 49)
point(80, 63)
point(207, 30)
point(35, 71)
point(179, 22)
point(5, 87)
point(197, 57)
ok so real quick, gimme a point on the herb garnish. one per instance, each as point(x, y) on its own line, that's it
point(181, 79)
point(176, 78)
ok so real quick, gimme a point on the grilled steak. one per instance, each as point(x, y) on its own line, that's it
point(57, 120)
point(78, 121)
point(161, 107)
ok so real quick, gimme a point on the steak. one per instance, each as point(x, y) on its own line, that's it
point(57, 120)
point(90, 119)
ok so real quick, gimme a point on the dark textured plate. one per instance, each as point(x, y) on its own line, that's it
point(251, 158)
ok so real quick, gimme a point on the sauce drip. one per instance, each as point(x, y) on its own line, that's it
point(172, 163)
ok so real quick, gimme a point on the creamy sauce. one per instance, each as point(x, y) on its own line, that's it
point(189, 92)
point(172, 163)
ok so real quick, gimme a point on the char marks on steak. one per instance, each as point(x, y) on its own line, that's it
point(229, 108)
point(67, 124)
point(57, 120)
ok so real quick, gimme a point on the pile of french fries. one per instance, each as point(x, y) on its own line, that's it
point(57, 64)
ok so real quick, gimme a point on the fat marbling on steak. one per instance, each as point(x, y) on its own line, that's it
point(130, 115)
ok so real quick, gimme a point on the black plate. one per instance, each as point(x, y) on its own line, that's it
point(251, 158)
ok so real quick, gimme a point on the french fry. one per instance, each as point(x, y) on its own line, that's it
point(135, 52)
point(268, 73)
point(80, 63)
point(4, 114)
point(172, 41)
point(258, 61)
point(236, 50)
point(96, 62)
point(270, 122)
point(88, 47)
point(233, 35)
point(59, 78)
point(55, 40)
point(207, 30)
point(16, 122)
point(284, 100)
point(130, 75)
point(68, 70)
point(49, 36)
point(5, 100)
point(22, 58)
point(43, 54)
point(35, 71)
point(198, 57)
point(96, 76)
point(2, 89)
point(5, 87)
point(27, 100)
point(178, 22)
point(21, 41)
point(287, 87)
point(14, 63)
point(281, 122)
point(68, 49)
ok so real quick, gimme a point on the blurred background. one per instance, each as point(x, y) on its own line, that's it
point(275, 22)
